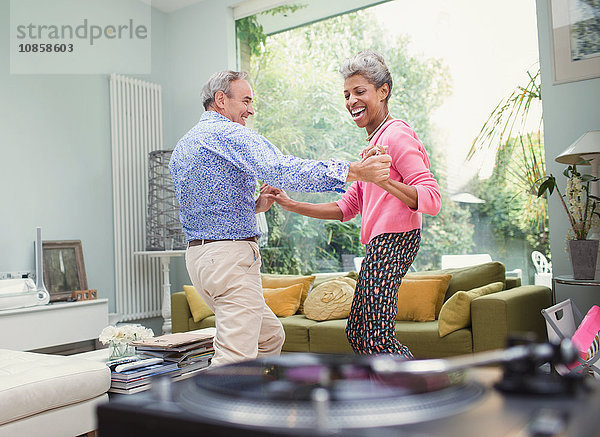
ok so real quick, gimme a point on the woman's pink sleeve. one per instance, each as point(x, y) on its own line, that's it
point(410, 159)
point(350, 202)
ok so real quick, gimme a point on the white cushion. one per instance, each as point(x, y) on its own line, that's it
point(31, 383)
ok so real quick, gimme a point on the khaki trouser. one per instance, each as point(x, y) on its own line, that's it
point(227, 276)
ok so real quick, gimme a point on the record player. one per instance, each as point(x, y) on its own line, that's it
point(331, 395)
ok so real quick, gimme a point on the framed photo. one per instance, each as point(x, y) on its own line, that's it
point(575, 40)
point(64, 271)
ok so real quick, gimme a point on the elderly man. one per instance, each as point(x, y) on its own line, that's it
point(215, 168)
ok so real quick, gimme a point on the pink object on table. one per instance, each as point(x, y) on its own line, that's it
point(586, 334)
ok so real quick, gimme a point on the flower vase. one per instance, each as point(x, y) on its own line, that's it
point(120, 350)
point(584, 254)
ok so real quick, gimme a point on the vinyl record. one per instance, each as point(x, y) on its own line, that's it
point(325, 393)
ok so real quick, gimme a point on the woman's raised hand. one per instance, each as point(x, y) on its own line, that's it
point(273, 194)
point(372, 149)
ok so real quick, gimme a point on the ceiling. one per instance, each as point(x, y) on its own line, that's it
point(172, 5)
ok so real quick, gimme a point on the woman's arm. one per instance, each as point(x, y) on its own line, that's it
point(405, 193)
point(324, 211)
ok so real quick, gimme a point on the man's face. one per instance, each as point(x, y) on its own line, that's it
point(238, 105)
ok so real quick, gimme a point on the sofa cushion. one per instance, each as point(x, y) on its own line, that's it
point(279, 281)
point(330, 300)
point(31, 383)
point(444, 282)
point(467, 278)
point(329, 337)
point(424, 341)
point(283, 301)
point(421, 338)
point(207, 322)
point(456, 312)
point(296, 329)
point(198, 307)
point(418, 298)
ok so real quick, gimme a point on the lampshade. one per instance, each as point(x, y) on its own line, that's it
point(584, 148)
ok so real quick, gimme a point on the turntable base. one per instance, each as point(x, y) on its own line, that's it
point(164, 411)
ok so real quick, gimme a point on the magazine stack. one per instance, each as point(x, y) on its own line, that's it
point(178, 356)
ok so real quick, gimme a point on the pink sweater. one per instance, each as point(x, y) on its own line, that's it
point(382, 212)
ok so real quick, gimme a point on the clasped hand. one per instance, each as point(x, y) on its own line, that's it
point(375, 164)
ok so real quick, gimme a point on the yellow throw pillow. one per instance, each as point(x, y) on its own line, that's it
point(330, 300)
point(456, 312)
point(445, 280)
point(284, 301)
point(417, 299)
point(279, 281)
point(198, 307)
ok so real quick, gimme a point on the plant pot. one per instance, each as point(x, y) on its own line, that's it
point(584, 254)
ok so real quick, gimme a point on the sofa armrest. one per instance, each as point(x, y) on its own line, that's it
point(180, 312)
point(496, 316)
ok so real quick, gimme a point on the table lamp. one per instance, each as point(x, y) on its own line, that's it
point(586, 147)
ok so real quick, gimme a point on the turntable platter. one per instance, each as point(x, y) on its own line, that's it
point(329, 393)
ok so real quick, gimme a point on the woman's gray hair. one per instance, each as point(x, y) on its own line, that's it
point(370, 65)
point(220, 81)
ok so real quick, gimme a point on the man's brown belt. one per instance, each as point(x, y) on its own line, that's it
point(201, 242)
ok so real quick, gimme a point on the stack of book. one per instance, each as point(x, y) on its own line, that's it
point(133, 374)
point(191, 351)
point(179, 356)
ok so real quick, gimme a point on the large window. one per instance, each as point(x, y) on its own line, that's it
point(452, 63)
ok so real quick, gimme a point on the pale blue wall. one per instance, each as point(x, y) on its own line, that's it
point(569, 110)
point(55, 165)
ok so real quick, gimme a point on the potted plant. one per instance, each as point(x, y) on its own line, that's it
point(583, 212)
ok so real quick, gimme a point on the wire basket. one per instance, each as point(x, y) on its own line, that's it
point(163, 228)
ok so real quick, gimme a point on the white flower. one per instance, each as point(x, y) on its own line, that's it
point(124, 334)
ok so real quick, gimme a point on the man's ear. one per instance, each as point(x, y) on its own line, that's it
point(383, 92)
point(220, 99)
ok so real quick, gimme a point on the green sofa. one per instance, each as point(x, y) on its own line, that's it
point(514, 310)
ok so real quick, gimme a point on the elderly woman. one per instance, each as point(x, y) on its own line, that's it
point(390, 211)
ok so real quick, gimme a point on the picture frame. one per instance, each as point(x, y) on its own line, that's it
point(575, 46)
point(64, 269)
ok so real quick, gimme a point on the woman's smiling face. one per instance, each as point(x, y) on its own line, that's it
point(367, 105)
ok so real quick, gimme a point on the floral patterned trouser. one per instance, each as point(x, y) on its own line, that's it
point(372, 319)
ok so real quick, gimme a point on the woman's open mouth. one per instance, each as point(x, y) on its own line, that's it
point(357, 113)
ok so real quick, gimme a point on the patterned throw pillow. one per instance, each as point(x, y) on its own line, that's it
point(330, 300)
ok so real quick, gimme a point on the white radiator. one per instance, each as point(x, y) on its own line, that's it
point(136, 130)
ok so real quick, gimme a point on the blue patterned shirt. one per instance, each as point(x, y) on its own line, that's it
point(215, 168)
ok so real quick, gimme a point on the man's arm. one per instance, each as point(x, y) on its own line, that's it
point(255, 155)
